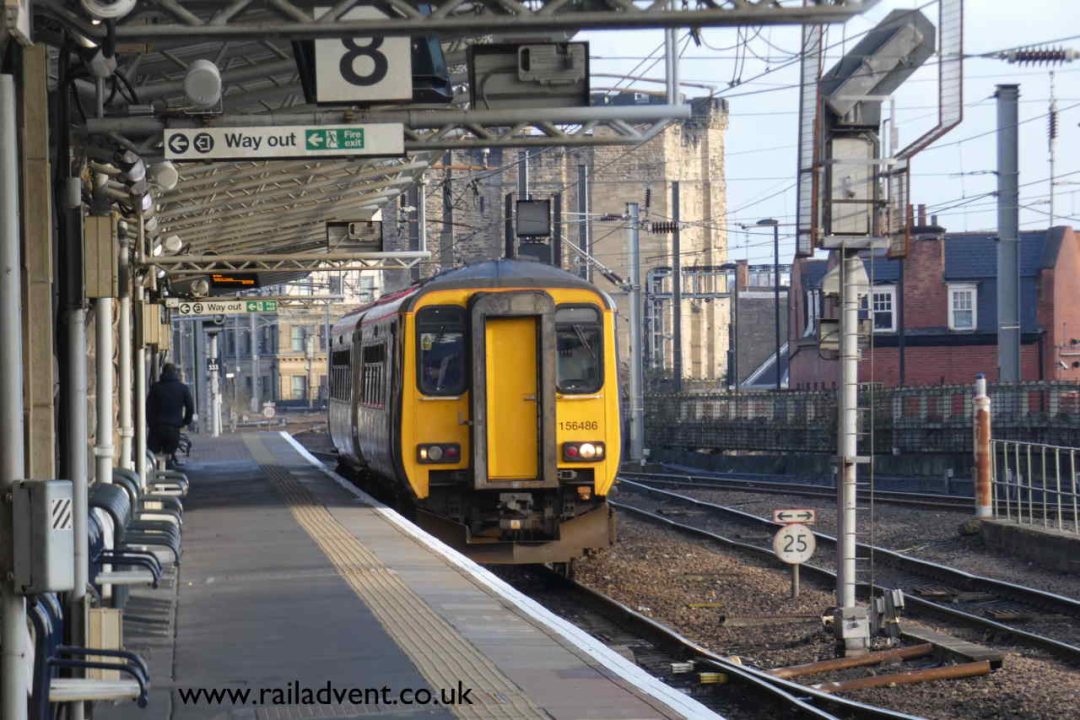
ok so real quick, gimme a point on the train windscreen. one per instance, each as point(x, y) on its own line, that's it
point(441, 335)
point(579, 340)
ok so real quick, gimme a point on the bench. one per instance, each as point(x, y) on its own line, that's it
point(149, 505)
point(51, 656)
point(131, 533)
point(144, 568)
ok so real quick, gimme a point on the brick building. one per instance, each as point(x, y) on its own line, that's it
point(464, 206)
point(934, 313)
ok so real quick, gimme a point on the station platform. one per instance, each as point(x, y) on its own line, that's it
point(318, 601)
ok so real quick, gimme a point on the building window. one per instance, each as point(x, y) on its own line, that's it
point(811, 312)
point(297, 338)
point(299, 387)
point(962, 307)
point(883, 308)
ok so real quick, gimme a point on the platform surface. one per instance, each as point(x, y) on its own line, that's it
point(292, 583)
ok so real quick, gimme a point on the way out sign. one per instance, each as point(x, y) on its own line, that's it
point(285, 141)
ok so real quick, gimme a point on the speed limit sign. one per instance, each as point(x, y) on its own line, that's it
point(362, 69)
point(794, 544)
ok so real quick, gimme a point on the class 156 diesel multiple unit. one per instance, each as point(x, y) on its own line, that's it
point(487, 399)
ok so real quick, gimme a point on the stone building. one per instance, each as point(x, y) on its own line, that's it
point(464, 200)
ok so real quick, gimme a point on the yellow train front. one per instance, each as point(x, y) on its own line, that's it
point(487, 397)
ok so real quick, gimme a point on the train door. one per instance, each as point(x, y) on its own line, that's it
point(513, 389)
point(513, 406)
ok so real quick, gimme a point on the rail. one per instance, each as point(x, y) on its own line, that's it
point(1036, 484)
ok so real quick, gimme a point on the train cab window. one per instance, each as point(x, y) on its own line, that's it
point(440, 333)
point(579, 339)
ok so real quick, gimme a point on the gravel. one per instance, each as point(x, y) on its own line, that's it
point(923, 533)
point(662, 574)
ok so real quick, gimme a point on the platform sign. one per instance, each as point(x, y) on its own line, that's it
point(362, 69)
point(285, 141)
point(794, 544)
point(806, 516)
point(223, 307)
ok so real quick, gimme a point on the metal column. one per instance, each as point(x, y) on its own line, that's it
point(256, 378)
point(12, 457)
point(1008, 251)
point(776, 300)
point(584, 223)
point(637, 400)
point(103, 370)
point(676, 290)
point(215, 387)
point(851, 626)
point(140, 365)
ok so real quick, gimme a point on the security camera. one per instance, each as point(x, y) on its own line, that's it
point(1063, 365)
point(107, 9)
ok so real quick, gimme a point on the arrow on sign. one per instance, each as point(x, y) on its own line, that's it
point(315, 139)
point(797, 515)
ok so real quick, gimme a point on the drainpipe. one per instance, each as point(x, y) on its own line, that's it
point(12, 453)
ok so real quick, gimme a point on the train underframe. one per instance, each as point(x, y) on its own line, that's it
point(506, 526)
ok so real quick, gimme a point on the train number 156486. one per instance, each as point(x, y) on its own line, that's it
point(579, 425)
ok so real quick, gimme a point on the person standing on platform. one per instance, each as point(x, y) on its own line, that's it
point(169, 407)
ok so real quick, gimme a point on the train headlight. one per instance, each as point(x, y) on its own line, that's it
point(583, 451)
point(439, 453)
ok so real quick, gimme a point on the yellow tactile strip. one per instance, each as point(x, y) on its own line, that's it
point(438, 651)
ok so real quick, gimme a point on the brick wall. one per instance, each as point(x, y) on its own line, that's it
point(1061, 285)
point(926, 303)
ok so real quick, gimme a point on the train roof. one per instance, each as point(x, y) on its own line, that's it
point(485, 274)
point(505, 273)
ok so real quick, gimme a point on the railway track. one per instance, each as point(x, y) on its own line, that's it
point(733, 690)
point(993, 606)
point(741, 482)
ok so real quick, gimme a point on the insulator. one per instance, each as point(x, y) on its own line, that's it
point(1052, 124)
point(1040, 56)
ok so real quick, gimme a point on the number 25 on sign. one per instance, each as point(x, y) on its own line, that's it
point(794, 544)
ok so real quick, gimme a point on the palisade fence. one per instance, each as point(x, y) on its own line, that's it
point(930, 419)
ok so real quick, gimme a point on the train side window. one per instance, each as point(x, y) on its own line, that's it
point(440, 335)
point(372, 373)
point(579, 340)
point(339, 374)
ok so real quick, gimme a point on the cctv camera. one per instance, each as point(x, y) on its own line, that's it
point(107, 9)
point(1063, 365)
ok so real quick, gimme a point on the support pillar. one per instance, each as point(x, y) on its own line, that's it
point(13, 652)
point(1008, 253)
point(39, 331)
point(852, 623)
point(637, 400)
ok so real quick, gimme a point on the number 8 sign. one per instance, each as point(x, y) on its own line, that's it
point(794, 544)
point(362, 69)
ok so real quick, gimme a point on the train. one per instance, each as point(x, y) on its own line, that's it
point(486, 401)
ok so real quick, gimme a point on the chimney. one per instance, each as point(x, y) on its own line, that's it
point(922, 214)
point(742, 274)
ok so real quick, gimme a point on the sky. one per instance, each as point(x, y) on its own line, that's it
point(949, 177)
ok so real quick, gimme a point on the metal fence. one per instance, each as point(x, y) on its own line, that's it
point(910, 420)
point(1036, 484)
